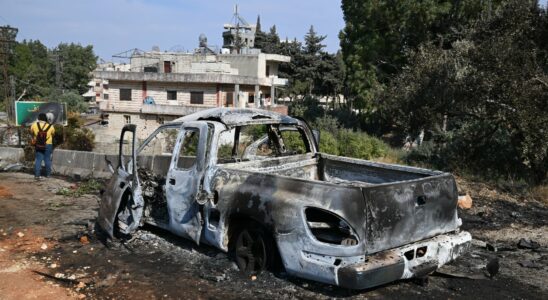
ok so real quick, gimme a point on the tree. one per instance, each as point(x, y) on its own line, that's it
point(260, 36)
point(313, 42)
point(30, 66)
point(75, 102)
point(482, 102)
point(378, 34)
point(76, 64)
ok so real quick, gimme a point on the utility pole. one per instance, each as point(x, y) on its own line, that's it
point(58, 71)
point(7, 39)
point(10, 109)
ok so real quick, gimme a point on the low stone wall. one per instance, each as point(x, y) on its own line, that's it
point(81, 164)
point(76, 164)
point(11, 155)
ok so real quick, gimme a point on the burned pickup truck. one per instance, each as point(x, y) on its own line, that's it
point(253, 183)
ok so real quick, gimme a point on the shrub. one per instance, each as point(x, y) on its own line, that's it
point(74, 136)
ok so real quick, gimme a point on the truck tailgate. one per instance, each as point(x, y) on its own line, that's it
point(404, 212)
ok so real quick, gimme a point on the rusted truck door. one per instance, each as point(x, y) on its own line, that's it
point(122, 203)
point(184, 180)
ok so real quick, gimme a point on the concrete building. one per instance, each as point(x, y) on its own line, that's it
point(158, 86)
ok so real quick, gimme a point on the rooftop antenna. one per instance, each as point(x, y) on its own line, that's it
point(237, 19)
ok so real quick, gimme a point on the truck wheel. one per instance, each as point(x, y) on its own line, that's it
point(251, 250)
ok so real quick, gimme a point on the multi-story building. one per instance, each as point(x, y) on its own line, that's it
point(158, 86)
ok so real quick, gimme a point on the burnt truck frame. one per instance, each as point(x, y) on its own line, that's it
point(342, 221)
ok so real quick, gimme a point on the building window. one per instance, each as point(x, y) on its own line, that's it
point(251, 99)
point(160, 120)
point(171, 95)
point(105, 96)
point(127, 119)
point(167, 66)
point(267, 70)
point(97, 84)
point(229, 99)
point(105, 86)
point(150, 69)
point(196, 97)
point(125, 94)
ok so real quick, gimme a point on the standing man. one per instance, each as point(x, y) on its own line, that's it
point(42, 139)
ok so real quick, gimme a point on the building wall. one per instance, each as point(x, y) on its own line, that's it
point(106, 138)
point(158, 91)
point(247, 65)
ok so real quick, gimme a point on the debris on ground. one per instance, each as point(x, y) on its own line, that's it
point(156, 263)
point(465, 202)
point(528, 244)
point(84, 240)
point(493, 267)
point(16, 167)
point(530, 264)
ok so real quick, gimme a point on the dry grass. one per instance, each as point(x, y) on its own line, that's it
point(540, 193)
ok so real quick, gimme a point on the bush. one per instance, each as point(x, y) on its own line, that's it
point(328, 143)
point(74, 136)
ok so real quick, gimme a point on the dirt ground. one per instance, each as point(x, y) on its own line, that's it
point(48, 250)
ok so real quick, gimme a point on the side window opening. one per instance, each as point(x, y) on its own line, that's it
point(155, 155)
point(189, 149)
point(260, 141)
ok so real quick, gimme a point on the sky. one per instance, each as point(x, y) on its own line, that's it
point(114, 26)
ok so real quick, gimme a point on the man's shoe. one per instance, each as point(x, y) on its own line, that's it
point(37, 178)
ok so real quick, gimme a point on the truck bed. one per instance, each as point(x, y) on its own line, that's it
point(402, 204)
point(334, 169)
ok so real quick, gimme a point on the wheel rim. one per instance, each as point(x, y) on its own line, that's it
point(250, 252)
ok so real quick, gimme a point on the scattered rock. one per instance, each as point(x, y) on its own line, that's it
point(528, 244)
point(81, 296)
point(53, 266)
point(530, 264)
point(13, 167)
point(214, 278)
point(253, 278)
point(81, 285)
point(59, 275)
point(465, 202)
point(478, 243)
point(20, 234)
point(44, 246)
point(84, 240)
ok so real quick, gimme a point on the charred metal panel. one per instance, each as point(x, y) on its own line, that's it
point(378, 269)
point(350, 169)
point(238, 116)
point(183, 185)
point(124, 181)
point(110, 201)
point(409, 211)
point(279, 203)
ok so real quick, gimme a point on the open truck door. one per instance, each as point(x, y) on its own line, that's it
point(122, 203)
point(184, 180)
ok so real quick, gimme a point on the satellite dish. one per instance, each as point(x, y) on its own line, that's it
point(149, 100)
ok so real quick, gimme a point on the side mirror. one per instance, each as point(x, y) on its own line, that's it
point(316, 134)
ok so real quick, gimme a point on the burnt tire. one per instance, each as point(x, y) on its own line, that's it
point(252, 250)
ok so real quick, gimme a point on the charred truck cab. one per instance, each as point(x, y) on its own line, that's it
point(253, 182)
